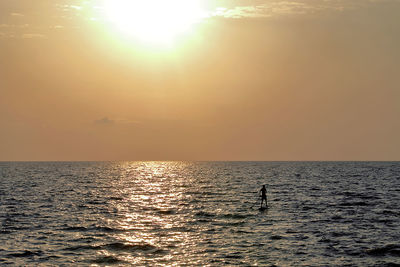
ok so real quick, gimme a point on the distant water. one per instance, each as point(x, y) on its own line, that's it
point(200, 213)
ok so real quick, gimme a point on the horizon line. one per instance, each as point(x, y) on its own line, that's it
point(77, 161)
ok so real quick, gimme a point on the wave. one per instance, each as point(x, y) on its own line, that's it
point(166, 212)
point(276, 237)
point(84, 247)
point(234, 256)
point(26, 253)
point(234, 216)
point(74, 228)
point(118, 246)
point(391, 249)
point(96, 202)
point(106, 229)
point(390, 212)
point(355, 203)
point(336, 217)
point(204, 214)
point(391, 264)
point(116, 198)
point(340, 234)
point(91, 228)
point(107, 259)
point(325, 240)
point(228, 224)
point(359, 195)
point(129, 247)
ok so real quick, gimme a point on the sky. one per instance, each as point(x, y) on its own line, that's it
point(245, 80)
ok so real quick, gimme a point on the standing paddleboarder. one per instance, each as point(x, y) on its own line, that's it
point(263, 192)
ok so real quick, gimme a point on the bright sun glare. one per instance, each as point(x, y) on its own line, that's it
point(155, 21)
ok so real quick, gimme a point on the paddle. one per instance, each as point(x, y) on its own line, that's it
point(257, 202)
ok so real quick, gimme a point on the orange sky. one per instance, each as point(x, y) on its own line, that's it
point(255, 80)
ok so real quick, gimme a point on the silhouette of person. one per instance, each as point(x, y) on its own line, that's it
point(263, 192)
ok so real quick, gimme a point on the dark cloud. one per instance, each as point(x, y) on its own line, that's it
point(105, 121)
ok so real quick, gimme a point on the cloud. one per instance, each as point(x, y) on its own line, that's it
point(14, 26)
point(272, 9)
point(14, 14)
point(275, 8)
point(108, 121)
point(242, 11)
point(32, 35)
point(104, 121)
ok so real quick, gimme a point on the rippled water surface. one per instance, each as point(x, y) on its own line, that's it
point(200, 213)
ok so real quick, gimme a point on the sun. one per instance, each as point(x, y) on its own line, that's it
point(155, 21)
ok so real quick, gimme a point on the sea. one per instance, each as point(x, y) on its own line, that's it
point(199, 214)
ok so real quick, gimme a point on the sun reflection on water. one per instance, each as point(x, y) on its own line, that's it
point(151, 211)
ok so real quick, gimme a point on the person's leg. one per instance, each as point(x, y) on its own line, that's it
point(264, 199)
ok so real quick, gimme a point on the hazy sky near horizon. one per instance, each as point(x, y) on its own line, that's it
point(254, 80)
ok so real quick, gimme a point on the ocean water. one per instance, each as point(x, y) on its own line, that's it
point(200, 213)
